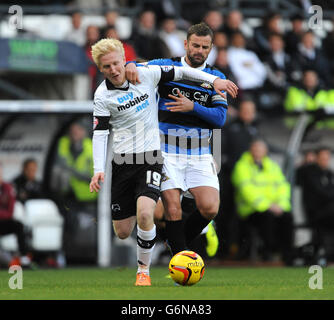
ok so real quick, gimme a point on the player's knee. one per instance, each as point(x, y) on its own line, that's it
point(122, 234)
point(209, 211)
point(173, 213)
point(144, 218)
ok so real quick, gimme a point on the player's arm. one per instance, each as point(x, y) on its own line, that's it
point(216, 114)
point(167, 73)
point(100, 142)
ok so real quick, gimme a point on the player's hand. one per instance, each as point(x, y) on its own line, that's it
point(94, 183)
point(225, 85)
point(180, 103)
point(131, 73)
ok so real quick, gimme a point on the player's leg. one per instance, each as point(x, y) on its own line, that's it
point(207, 203)
point(146, 233)
point(123, 228)
point(173, 184)
point(203, 184)
point(123, 204)
point(147, 190)
point(174, 221)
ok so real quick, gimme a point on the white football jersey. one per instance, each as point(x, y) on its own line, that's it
point(133, 112)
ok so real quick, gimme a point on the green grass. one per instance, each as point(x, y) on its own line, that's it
point(118, 284)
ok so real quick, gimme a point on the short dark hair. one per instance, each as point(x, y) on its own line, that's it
point(275, 34)
point(322, 148)
point(201, 30)
point(27, 161)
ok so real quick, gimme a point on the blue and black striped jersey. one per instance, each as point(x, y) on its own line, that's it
point(189, 132)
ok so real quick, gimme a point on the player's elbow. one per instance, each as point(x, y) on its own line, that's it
point(219, 122)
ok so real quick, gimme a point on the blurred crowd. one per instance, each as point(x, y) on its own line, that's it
point(280, 66)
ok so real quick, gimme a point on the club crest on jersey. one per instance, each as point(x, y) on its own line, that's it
point(115, 207)
point(206, 85)
point(166, 68)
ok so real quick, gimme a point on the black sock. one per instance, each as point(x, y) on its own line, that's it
point(175, 236)
point(194, 226)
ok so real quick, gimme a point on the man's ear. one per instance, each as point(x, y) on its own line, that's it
point(185, 44)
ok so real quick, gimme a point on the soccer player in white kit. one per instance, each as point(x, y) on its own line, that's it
point(132, 112)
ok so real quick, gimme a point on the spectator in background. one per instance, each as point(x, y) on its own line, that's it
point(8, 225)
point(318, 194)
point(214, 19)
point(75, 157)
point(220, 40)
point(26, 184)
point(92, 36)
point(129, 51)
point(328, 49)
point(222, 63)
point(308, 96)
point(145, 38)
point(309, 158)
point(262, 196)
point(110, 17)
point(173, 38)
point(236, 139)
point(293, 37)
point(77, 32)
point(271, 24)
point(279, 73)
point(233, 23)
point(246, 67)
point(309, 57)
point(278, 64)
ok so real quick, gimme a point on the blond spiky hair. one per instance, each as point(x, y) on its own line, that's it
point(105, 46)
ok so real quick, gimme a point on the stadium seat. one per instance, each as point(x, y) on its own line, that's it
point(9, 242)
point(45, 223)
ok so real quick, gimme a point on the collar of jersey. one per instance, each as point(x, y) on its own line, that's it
point(110, 86)
point(185, 64)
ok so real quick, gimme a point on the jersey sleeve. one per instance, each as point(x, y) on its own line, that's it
point(101, 117)
point(165, 73)
point(216, 114)
point(218, 100)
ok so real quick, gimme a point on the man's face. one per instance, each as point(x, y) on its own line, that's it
point(30, 170)
point(77, 133)
point(247, 111)
point(258, 151)
point(276, 44)
point(310, 79)
point(112, 67)
point(198, 49)
point(323, 159)
point(308, 41)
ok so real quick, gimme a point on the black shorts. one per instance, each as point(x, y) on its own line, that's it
point(132, 180)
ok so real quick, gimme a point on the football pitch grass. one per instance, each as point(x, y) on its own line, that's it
point(224, 283)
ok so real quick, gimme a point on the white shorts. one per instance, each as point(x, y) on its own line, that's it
point(185, 172)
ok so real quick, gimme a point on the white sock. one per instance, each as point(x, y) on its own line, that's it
point(145, 249)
